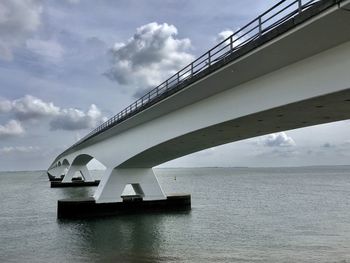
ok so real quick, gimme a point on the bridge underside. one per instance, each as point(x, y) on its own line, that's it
point(319, 110)
point(137, 170)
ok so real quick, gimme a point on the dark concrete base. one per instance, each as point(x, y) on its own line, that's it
point(55, 179)
point(83, 208)
point(59, 179)
point(74, 183)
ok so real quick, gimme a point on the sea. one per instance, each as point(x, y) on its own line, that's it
point(299, 214)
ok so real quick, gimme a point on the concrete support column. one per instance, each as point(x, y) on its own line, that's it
point(57, 171)
point(82, 169)
point(143, 181)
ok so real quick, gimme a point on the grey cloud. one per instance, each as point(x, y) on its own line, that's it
point(327, 145)
point(342, 147)
point(19, 149)
point(18, 19)
point(149, 57)
point(11, 128)
point(74, 119)
point(50, 49)
point(285, 153)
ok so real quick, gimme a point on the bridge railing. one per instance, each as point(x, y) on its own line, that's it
point(265, 22)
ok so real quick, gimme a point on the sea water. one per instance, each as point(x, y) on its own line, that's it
point(238, 215)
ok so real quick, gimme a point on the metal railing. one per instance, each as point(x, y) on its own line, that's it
point(270, 19)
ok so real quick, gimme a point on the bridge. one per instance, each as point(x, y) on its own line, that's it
point(288, 68)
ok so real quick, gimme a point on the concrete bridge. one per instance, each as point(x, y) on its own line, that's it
point(288, 68)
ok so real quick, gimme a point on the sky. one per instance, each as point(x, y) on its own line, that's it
point(66, 66)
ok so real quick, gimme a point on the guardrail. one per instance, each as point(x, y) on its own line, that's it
point(270, 19)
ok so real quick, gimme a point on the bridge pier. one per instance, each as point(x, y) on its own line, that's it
point(68, 180)
point(143, 181)
point(82, 169)
point(108, 199)
point(57, 173)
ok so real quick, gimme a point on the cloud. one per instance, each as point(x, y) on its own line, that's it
point(30, 107)
point(74, 119)
point(340, 147)
point(19, 149)
point(73, 2)
point(50, 50)
point(5, 106)
point(148, 58)
point(225, 34)
point(277, 140)
point(11, 128)
point(18, 19)
point(327, 145)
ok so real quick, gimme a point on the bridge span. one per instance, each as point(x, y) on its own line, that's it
point(288, 68)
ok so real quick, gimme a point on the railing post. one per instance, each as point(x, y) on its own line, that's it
point(299, 6)
point(192, 69)
point(231, 43)
point(166, 85)
point(209, 58)
point(178, 77)
point(260, 25)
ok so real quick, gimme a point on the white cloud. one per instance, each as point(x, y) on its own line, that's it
point(19, 149)
point(18, 19)
point(50, 50)
point(74, 119)
point(30, 107)
point(5, 106)
point(148, 58)
point(11, 128)
point(277, 140)
point(225, 34)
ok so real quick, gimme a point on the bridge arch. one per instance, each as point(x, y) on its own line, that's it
point(79, 165)
point(65, 162)
point(82, 159)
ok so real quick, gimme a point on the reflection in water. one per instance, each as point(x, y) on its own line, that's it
point(128, 238)
point(75, 192)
